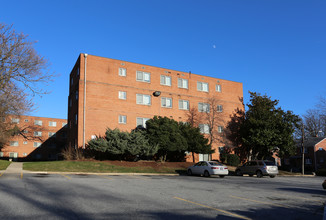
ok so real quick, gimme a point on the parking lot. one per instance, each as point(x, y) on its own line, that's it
point(70, 196)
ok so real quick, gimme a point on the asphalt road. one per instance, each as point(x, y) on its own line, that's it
point(56, 196)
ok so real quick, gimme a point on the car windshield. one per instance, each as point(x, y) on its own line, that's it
point(269, 163)
point(215, 164)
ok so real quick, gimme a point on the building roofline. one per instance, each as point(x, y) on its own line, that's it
point(320, 141)
point(38, 117)
point(160, 67)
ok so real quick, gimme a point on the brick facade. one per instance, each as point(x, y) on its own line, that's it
point(111, 96)
point(41, 138)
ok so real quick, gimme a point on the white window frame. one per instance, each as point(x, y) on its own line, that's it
point(166, 80)
point(1, 154)
point(122, 119)
point(14, 144)
point(203, 107)
point(142, 99)
point(166, 102)
point(202, 86)
point(143, 121)
point(123, 95)
point(64, 124)
point(204, 128)
point(122, 71)
point(38, 122)
point(219, 129)
point(52, 123)
point(26, 120)
point(37, 133)
point(143, 76)
point(37, 144)
point(218, 88)
point(183, 83)
point(52, 134)
point(25, 142)
point(219, 108)
point(183, 104)
point(15, 120)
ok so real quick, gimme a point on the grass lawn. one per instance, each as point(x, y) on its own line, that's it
point(4, 164)
point(92, 167)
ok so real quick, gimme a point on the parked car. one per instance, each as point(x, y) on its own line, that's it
point(258, 167)
point(208, 168)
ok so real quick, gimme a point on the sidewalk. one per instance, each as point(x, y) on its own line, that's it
point(14, 167)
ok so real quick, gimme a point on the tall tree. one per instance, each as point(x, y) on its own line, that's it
point(267, 128)
point(22, 70)
point(196, 142)
point(165, 133)
point(314, 122)
point(214, 118)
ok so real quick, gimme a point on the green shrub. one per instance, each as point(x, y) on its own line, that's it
point(232, 160)
point(321, 172)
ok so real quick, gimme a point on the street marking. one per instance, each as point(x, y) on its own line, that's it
point(219, 210)
point(65, 176)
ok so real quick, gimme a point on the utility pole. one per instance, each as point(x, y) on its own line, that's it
point(302, 147)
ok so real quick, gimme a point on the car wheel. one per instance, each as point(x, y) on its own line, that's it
point(222, 176)
point(189, 172)
point(272, 176)
point(259, 174)
point(238, 173)
point(206, 173)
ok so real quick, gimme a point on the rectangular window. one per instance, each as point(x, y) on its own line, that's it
point(143, 76)
point(26, 120)
point(52, 134)
point(141, 122)
point(13, 143)
point(37, 144)
point(15, 120)
point(122, 119)
point(204, 128)
point(143, 99)
point(38, 133)
point(1, 154)
point(122, 72)
point(166, 102)
point(64, 124)
point(184, 104)
point(122, 95)
point(219, 129)
point(38, 122)
point(52, 124)
point(25, 142)
point(201, 86)
point(165, 80)
point(203, 107)
point(218, 88)
point(25, 154)
point(183, 83)
point(219, 108)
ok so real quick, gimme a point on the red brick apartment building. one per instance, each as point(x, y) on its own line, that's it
point(40, 139)
point(120, 94)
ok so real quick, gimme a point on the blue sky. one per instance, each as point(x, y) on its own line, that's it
point(274, 47)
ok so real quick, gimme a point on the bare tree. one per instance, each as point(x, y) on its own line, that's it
point(314, 122)
point(22, 74)
point(194, 117)
point(214, 118)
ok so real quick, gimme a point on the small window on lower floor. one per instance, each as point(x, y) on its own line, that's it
point(13, 143)
point(122, 119)
point(37, 144)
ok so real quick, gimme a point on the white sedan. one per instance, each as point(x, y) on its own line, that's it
point(207, 168)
